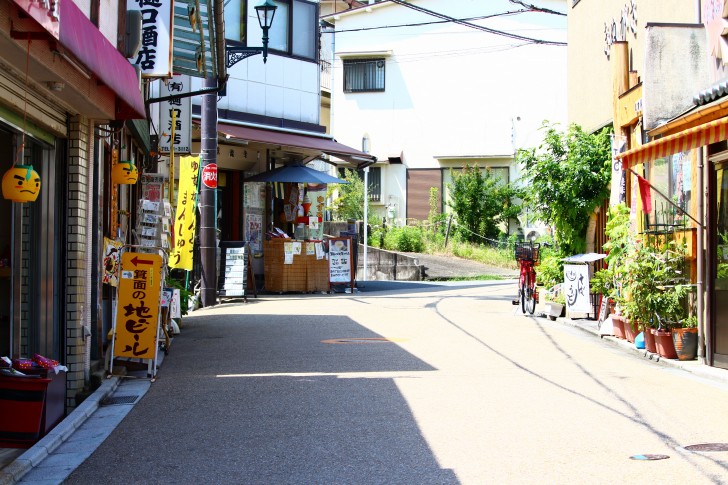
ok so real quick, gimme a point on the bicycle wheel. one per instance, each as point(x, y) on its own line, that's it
point(530, 295)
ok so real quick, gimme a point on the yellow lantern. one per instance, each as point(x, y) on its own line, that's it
point(124, 173)
point(21, 184)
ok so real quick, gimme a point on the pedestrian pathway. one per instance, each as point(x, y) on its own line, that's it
point(57, 455)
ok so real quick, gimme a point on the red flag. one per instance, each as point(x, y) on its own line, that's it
point(645, 194)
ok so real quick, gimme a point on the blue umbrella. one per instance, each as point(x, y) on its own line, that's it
point(296, 174)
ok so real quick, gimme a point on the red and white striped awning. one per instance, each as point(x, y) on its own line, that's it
point(698, 136)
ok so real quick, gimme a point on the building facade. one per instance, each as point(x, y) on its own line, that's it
point(440, 85)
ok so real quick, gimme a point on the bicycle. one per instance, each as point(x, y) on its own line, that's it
point(527, 256)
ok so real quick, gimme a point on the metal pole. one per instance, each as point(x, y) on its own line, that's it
point(208, 248)
point(366, 216)
point(700, 260)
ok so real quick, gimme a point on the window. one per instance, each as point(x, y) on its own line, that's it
point(671, 176)
point(363, 75)
point(374, 181)
point(235, 20)
point(295, 29)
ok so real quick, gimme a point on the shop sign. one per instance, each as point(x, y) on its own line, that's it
point(175, 116)
point(45, 12)
point(209, 175)
point(576, 288)
point(155, 55)
point(153, 186)
point(137, 314)
point(340, 262)
point(185, 223)
point(616, 30)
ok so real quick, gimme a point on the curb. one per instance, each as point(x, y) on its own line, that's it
point(31, 458)
point(692, 366)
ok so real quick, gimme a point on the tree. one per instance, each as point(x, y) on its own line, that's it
point(349, 204)
point(567, 179)
point(481, 202)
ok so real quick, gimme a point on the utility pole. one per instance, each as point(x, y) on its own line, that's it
point(208, 209)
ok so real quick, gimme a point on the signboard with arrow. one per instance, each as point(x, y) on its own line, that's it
point(137, 309)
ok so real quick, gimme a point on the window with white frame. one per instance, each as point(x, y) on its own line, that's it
point(364, 75)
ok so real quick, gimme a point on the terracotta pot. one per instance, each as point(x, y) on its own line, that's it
point(630, 330)
point(618, 326)
point(664, 344)
point(650, 345)
point(686, 343)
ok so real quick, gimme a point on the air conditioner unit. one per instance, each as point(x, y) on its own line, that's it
point(133, 37)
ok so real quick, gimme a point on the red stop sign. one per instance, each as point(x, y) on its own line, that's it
point(209, 175)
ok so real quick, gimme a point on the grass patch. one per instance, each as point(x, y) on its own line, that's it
point(483, 277)
point(490, 255)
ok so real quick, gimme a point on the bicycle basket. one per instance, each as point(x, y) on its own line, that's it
point(527, 251)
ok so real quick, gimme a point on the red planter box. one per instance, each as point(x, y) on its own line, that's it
point(22, 401)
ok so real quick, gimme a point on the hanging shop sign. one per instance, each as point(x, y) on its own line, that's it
point(153, 186)
point(209, 175)
point(155, 55)
point(185, 222)
point(175, 116)
point(111, 262)
point(140, 286)
point(124, 173)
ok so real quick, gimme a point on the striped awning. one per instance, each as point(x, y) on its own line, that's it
point(698, 136)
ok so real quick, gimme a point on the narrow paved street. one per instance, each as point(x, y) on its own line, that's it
point(430, 384)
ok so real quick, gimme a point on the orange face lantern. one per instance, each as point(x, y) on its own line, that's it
point(124, 173)
point(21, 184)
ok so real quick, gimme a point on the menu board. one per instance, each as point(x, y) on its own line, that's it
point(233, 277)
point(340, 261)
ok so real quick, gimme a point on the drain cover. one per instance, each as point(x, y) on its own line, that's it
point(114, 400)
point(708, 447)
point(649, 457)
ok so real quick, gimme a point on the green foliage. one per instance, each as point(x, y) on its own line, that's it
point(620, 240)
point(349, 203)
point(174, 281)
point(405, 239)
point(567, 179)
point(481, 202)
point(490, 255)
point(601, 282)
point(550, 271)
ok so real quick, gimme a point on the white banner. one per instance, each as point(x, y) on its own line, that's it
point(155, 54)
point(576, 288)
point(619, 181)
point(181, 108)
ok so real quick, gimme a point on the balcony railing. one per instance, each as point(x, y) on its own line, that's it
point(325, 74)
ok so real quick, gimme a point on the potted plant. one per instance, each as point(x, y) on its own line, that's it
point(685, 338)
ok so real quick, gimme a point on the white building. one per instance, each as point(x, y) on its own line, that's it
point(433, 94)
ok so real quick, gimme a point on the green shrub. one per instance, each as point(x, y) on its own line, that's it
point(405, 239)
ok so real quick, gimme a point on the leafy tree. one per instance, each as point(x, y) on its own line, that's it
point(481, 203)
point(567, 179)
point(349, 203)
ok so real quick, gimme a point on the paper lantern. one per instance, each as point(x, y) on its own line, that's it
point(124, 173)
point(21, 184)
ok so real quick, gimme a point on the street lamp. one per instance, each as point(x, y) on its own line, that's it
point(266, 11)
point(236, 53)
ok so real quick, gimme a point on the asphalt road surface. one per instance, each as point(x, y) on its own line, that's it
point(429, 384)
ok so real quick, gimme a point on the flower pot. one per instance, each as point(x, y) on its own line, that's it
point(618, 326)
point(664, 344)
point(630, 330)
point(650, 345)
point(686, 343)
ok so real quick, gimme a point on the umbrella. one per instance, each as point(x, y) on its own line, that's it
point(296, 174)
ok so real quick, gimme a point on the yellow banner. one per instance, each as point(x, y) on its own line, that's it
point(137, 309)
point(185, 221)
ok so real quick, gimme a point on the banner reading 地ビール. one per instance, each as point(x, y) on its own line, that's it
point(137, 310)
point(185, 222)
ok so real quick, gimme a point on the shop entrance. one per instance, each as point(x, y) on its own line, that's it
point(720, 271)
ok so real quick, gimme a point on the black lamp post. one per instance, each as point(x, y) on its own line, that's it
point(266, 11)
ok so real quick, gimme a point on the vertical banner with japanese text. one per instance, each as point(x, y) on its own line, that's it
point(137, 310)
point(185, 222)
point(576, 288)
point(175, 113)
point(155, 55)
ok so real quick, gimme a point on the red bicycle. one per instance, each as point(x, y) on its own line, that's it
point(527, 257)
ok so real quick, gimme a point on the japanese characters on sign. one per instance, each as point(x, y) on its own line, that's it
point(175, 134)
point(185, 222)
point(137, 309)
point(155, 55)
point(340, 262)
point(576, 288)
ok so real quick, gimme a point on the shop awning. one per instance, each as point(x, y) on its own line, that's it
point(698, 136)
point(294, 140)
point(82, 39)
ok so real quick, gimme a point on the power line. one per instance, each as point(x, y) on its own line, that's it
point(475, 26)
point(419, 24)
